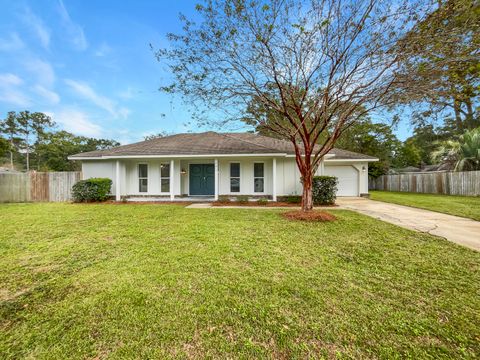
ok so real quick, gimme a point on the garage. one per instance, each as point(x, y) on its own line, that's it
point(347, 179)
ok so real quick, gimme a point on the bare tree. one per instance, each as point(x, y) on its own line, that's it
point(314, 63)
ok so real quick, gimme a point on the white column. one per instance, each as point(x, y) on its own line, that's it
point(172, 180)
point(117, 181)
point(322, 167)
point(274, 179)
point(216, 179)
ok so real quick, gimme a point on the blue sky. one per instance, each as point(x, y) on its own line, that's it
point(89, 65)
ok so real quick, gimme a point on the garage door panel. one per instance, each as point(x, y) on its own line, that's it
point(347, 179)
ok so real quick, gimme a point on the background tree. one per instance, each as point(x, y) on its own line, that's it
point(31, 126)
point(408, 154)
point(9, 128)
point(157, 135)
point(4, 146)
point(441, 67)
point(53, 149)
point(373, 139)
point(315, 64)
point(462, 154)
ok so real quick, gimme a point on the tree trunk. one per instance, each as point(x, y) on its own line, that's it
point(307, 195)
point(11, 153)
point(458, 117)
point(28, 159)
point(28, 154)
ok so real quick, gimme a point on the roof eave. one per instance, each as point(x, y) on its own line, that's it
point(159, 156)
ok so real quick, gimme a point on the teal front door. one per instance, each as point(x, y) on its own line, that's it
point(202, 179)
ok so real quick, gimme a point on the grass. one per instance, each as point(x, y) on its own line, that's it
point(464, 206)
point(162, 281)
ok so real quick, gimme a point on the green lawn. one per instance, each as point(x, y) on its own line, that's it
point(464, 206)
point(162, 281)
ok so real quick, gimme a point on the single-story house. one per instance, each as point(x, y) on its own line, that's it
point(210, 164)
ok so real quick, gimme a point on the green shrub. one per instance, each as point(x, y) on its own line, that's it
point(324, 190)
point(262, 201)
point(94, 189)
point(242, 199)
point(224, 198)
point(293, 199)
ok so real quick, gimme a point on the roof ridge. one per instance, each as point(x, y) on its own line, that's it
point(246, 141)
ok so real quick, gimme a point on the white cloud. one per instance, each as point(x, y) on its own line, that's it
point(49, 95)
point(127, 94)
point(42, 70)
point(9, 79)
point(10, 92)
point(87, 92)
point(77, 122)
point(74, 31)
point(11, 43)
point(38, 27)
point(103, 50)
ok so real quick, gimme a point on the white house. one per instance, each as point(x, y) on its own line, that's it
point(211, 164)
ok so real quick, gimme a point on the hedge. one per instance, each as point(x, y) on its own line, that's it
point(94, 189)
point(324, 190)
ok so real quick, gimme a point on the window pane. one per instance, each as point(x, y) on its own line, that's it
point(234, 170)
point(235, 185)
point(142, 170)
point(165, 170)
point(258, 170)
point(165, 185)
point(143, 185)
point(258, 187)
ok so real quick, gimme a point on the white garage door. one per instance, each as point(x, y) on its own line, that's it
point(347, 179)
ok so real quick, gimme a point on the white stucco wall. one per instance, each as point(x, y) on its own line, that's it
point(288, 175)
point(99, 169)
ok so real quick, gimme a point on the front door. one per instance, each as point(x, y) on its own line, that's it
point(202, 179)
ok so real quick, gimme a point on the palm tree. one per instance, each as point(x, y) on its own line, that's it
point(462, 154)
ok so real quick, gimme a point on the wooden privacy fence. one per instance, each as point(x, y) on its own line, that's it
point(37, 186)
point(448, 183)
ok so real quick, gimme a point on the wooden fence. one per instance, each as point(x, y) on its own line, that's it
point(448, 183)
point(37, 186)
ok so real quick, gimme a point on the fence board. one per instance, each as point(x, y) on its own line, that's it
point(37, 186)
point(465, 183)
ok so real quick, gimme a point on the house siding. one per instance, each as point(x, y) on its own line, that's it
point(288, 175)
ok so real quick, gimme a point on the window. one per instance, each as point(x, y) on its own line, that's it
point(165, 177)
point(258, 177)
point(234, 177)
point(142, 177)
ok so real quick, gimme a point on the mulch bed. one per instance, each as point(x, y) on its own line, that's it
point(254, 203)
point(309, 216)
point(112, 202)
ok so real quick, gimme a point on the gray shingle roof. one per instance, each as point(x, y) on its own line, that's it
point(209, 143)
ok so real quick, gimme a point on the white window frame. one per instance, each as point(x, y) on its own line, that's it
point(169, 177)
point(142, 178)
point(259, 177)
point(235, 177)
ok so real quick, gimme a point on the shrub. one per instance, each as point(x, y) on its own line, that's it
point(293, 199)
point(262, 201)
point(224, 198)
point(242, 199)
point(94, 189)
point(324, 190)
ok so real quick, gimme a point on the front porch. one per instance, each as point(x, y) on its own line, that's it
point(199, 199)
point(194, 180)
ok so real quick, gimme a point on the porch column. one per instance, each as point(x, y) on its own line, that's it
point(216, 179)
point(274, 179)
point(117, 181)
point(172, 180)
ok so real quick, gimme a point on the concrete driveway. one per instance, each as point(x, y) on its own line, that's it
point(459, 230)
